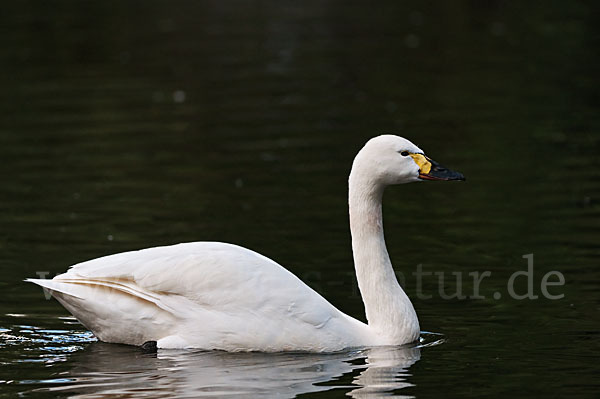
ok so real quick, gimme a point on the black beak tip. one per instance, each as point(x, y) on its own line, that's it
point(441, 173)
point(460, 176)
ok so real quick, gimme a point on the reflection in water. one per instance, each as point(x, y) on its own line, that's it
point(106, 369)
point(386, 371)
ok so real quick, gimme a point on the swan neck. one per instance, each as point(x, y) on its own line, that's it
point(388, 309)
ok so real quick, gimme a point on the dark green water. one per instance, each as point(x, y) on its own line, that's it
point(134, 124)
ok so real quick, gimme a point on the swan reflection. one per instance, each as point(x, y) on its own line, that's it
point(386, 370)
point(106, 370)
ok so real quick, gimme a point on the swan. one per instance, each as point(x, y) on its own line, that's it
point(213, 295)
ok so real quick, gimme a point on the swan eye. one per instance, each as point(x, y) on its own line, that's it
point(404, 153)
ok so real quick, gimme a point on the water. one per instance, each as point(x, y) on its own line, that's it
point(127, 126)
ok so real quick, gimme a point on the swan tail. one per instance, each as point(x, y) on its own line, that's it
point(55, 286)
point(98, 289)
point(115, 311)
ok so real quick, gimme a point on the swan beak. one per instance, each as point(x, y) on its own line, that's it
point(431, 170)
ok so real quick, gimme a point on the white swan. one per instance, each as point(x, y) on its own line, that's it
point(213, 295)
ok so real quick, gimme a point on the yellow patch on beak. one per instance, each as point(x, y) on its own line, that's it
point(423, 162)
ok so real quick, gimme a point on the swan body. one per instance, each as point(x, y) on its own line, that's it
point(213, 295)
point(204, 295)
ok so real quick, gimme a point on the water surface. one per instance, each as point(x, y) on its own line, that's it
point(128, 125)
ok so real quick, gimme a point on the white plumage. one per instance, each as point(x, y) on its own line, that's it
point(214, 295)
point(203, 295)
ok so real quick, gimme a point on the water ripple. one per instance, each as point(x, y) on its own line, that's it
point(77, 364)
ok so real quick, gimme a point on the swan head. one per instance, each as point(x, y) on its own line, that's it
point(389, 159)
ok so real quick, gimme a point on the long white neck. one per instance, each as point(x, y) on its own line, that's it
point(389, 311)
